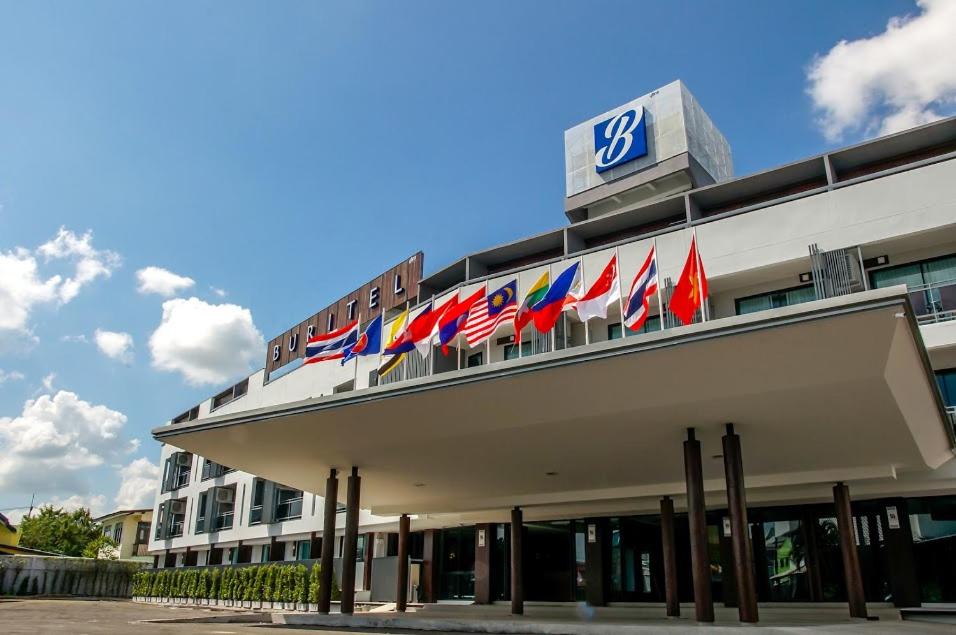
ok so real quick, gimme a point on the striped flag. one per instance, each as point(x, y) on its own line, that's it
point(331, 345)
point(486, 315)
point(642, 289)
point(394, 332)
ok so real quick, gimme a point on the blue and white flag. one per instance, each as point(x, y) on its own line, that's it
point(642, 290)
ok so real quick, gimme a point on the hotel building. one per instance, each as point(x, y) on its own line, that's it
point(794, 444)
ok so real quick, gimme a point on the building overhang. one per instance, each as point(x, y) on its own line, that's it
point(832, 390)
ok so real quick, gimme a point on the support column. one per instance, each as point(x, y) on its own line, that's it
point(517, 579)
point(483, 563)
point(369, 559)
point(898, 535)
point(328, 543)
point(739, 527)
point(851, 559)
point(697, 522)
point(430, 557)
point(597, 561)
point(669, 549)
point(350, 546)
point(401, 591)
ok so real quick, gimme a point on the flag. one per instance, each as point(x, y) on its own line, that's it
point(369, 342)
point(485, 316)
point(419, 332)
point(424, 344)
point(455, 318)
point(394, 331)
point(605, 291)
point(642, 289)
point(331, 345)
point(547, 311)
point(691, 289)
point(524, 315)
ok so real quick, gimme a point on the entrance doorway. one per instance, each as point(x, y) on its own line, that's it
point(456, 574)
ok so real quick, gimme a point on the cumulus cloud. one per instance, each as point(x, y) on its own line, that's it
point(11, 375)
point(115, 345)
point(95, 503)
point(55, 440)
point(48, 382)
point(206, 343)
point(138, 482)
point(22, 287)
point(903, 77)
point(162, 281)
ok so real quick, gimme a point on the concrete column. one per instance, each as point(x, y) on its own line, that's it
point(328, 543)
point(597, 565)
point(350, 546)
point(739, 527)
point(697, 521)
point(483, 538)
point(517, 579)
point(401, 590)
point(669, 549)
point(429, 574)
point(851, 559)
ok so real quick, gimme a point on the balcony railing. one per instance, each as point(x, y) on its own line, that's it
point(182, 479)
point(255, 514)
point(222, 521)
point(934, 302)
point(291, 508)
point(176, 528)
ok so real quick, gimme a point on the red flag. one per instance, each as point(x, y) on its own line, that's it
point(691, 289)
point(454, 319)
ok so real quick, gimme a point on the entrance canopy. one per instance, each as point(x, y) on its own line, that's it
point(836, 389)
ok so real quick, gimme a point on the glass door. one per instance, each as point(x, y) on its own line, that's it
point(457, 564)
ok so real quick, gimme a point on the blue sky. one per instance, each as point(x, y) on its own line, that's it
point(285, 154)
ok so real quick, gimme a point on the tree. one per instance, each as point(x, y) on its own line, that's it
point(101, 548)
point(59, 531)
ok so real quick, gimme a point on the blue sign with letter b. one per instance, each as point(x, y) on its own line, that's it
point(620, 139)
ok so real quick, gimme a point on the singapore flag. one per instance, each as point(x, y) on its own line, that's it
point(605, 291)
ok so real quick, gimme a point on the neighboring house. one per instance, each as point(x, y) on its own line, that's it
point(130, 529)
point(9, 535)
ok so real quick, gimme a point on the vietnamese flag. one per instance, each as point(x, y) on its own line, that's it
point(691, 289)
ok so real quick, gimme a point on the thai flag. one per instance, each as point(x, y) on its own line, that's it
point(331, 345)
point(642, 289)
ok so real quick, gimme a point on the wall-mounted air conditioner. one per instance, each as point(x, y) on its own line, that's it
point(177, 507)
point(225, 495)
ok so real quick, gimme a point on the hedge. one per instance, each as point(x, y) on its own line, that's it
point(252, 583)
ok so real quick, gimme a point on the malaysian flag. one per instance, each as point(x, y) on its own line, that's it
point(642, 289)
point(486, 315)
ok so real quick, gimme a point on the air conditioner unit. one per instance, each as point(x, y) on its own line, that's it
point(184, 458)
point(177, 507)
point(225, 495)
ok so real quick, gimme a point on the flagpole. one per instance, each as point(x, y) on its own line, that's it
point(355, 378)
point(697, 263)
point(587, 323)
point(517, 331)
point(660, 298)
point(620, 290)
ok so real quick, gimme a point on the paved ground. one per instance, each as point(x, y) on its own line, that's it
point(79, 617)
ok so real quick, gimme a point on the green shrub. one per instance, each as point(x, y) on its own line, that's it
point(214, 580)
point(257, 584)
point(301, 587)
point(202, 592)
point(314, 581)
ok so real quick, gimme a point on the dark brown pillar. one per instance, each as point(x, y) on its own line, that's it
point(739, 527)
point(483, 534)
point(904, 583)
point(430, 557)
point(697, 522)
point(328, 542)
point(401, 591)
point(369, 555)
point(669, 549)
point(851, 560)
point(350, 546)
point(517, 579)
point(597, 561)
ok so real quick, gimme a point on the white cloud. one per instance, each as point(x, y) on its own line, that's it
point(48, 382)
point(219, 292)
point(138, 482)
point(95, 503)
point(898, 79)
point(55, 440)
point(22, 287)
point(206, 343)
point(115, 345)
point(77, 339)
point(12, 375)
point(162, 281)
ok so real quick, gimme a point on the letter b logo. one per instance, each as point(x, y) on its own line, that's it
point(619, 139)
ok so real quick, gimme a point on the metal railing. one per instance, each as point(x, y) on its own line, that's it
point(200, 524)
point(182, 479)
point(222, 521)
point(255, 514)
point(289, 509)
point(934, 302)
point(176, 528)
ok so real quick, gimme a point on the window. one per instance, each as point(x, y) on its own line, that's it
point(160, 521)
point(775, 299)
point(932, 285)
point(211, 469)
point(201, 512)
point(230, 394)
point(118, 532)
point(303, 549)
point(258, 495)
point(361, 545)
point(189, 415)
point(652, 323)
point(142, 533)
point(946, 379)
point(107, 531)
point(511, 350)
point(224, 506)
point(288, 503)
point(476, 359)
